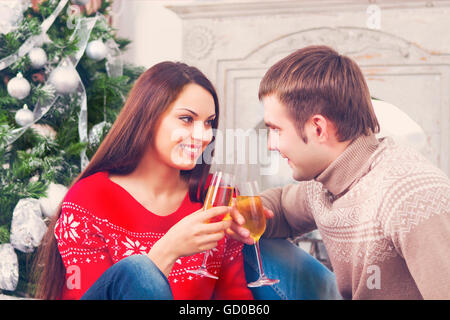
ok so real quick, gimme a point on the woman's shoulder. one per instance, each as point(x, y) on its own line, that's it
point(90, 192)
point(87, 186)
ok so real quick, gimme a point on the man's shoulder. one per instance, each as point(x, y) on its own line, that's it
point(412, 188)
point(406, 172)
point(398, 162)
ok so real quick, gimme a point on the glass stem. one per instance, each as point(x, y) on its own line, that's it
point(205, 258)
point(258, 259)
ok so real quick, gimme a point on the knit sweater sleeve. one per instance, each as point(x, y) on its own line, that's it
point(231, 284)
point(293, 215)
point(420, 228)
point(82, 248)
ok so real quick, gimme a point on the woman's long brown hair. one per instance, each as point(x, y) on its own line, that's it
point(123, 148)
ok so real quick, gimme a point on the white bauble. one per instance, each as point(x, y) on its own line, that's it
point(19, 87)
point(24, 116)
point(9, 268)
point(64, 79)
point(96, 50)
point(27, 225)
point(38, 58)
point(11, 14)
point(81, 2)
point(396, 124)
point(55, 194)
point(95, 134)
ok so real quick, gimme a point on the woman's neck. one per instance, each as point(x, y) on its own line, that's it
point(157, 177)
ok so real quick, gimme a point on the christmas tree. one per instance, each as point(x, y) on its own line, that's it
point(62, 84)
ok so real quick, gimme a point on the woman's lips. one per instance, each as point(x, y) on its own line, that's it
point(191, 150)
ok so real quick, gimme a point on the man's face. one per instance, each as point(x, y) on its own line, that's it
point(306, 159)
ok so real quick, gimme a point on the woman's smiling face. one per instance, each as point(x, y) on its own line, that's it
point(185, 129)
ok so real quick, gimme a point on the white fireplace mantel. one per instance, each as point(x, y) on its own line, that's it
point(235, 8)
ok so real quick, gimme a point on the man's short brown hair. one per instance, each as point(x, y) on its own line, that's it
point(318, 80)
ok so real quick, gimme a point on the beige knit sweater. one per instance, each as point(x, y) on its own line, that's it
point(383, 211)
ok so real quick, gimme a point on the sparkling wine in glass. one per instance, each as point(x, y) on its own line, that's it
point(220, 193)
point(250, 206)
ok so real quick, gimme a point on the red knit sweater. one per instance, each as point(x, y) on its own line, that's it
point(101, 223)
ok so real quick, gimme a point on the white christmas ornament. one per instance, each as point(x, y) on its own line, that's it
point(96, 50)
point(27, 226)
point(11, 14)
point(396, 124)
point(38, 58)
point(55, 194)
point(19, 87)
point(96, 132)
point(9, 268)
point(64, 79)
point(24, 116)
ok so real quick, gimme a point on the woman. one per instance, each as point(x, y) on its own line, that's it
point(131, 225)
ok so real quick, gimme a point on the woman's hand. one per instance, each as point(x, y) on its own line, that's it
point(190, 235)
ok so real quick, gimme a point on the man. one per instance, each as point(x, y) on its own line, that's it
point(382, 209)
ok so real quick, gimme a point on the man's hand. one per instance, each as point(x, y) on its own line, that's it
point(237, 231)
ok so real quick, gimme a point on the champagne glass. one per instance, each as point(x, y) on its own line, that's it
point(220, 193)
point(250, 206)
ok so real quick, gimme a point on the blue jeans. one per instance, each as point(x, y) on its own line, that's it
point(301, 276)
point(133, 278)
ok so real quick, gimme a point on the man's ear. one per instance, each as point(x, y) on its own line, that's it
point(319, 127)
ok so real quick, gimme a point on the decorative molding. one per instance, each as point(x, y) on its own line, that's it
point(199, 41)
point(221, 9)
point(372, 45)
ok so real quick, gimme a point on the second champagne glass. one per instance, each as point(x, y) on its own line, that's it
point(220, 193)
point(250, 206)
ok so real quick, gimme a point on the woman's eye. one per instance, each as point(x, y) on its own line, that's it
point(210, 122)
point(275, 130)
point(186, 119)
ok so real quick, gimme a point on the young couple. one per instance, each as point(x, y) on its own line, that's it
point(132, 223)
